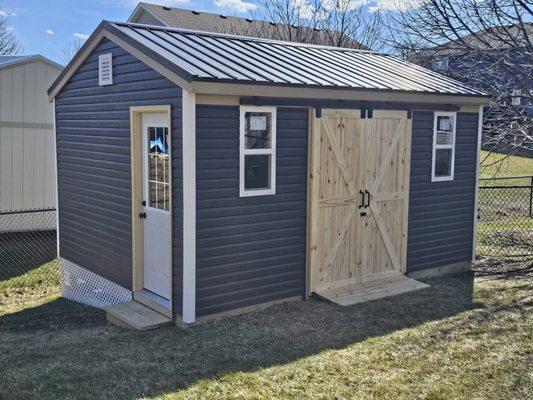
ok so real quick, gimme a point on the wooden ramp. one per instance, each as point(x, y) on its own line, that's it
point(348, 295)
point(134, 315)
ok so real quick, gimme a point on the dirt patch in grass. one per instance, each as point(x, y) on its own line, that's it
point(455, 340)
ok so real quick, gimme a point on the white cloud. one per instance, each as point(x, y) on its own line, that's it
point(7, 14)
point(344, 4)
point(236, 5)
point(393, 5)
point(133, 3)
point(303, 8)
point(49, 32)
point(81, 36)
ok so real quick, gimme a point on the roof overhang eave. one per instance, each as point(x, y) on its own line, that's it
point(330, 93)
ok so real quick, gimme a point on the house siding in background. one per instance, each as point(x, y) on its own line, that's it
point(250, 250)
point(94, 170)
point(27, 176)
point(441, 213)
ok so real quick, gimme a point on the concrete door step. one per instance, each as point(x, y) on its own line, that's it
point(134, 315)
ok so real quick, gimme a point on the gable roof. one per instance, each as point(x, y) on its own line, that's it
point(192, 56)
point(13, 60)
point(181, 18)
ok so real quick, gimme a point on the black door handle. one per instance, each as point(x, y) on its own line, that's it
point(367, 204)
point(362, 199)
point(142, 215)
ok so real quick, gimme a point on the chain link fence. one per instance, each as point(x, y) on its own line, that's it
point(28, 248)
point(505, 218)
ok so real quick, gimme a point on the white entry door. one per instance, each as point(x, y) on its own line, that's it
point(156, 204)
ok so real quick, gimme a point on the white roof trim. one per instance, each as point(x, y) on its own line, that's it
point(140, 8)
point(31, 58)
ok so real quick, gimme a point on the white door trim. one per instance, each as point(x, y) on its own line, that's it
point(137, 196)
point(189, 205)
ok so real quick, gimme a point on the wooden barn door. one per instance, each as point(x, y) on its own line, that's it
point(359, 187)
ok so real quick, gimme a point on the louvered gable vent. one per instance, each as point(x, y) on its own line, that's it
point(105, 69)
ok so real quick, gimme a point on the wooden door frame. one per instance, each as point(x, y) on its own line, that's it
point(136, 113)
point(312, 176)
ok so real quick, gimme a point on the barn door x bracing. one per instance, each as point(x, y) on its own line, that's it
point(359, 196)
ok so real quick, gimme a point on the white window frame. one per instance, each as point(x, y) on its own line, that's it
point(244, 152)
point(443, 146)
point(516, 97)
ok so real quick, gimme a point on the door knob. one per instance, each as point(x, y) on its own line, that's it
point(142, 215)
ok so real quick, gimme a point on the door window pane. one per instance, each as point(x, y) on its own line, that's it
point(257, 171)
point(443, 162)
point(158, 168)
point(258, 127)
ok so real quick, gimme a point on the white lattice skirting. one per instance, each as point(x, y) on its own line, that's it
point(83, 286)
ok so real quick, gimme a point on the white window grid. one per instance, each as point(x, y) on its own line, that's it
point(243, 152)
point(163, 181)
point(450, 146)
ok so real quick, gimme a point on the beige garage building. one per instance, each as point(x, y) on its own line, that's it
point(27, 177)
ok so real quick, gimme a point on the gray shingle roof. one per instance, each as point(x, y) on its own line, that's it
point(203, 56)
point(204, 21)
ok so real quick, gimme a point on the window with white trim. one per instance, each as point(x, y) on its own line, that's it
point(443, 160)
point(257, 159)
point(440, 64)
point(516, 97)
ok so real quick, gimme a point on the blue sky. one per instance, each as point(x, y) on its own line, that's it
point(45, 27)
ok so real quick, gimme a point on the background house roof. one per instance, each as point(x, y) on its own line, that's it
point(10, 61)
point(216, 57)
point(203, 21)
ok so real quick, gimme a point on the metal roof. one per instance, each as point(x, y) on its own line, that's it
point(205, 56)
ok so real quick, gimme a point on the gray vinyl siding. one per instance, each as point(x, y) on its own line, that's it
point(94, 171)
point(249, 250)
point(441, 214)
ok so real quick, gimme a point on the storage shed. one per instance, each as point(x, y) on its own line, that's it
point(27, 175)
point(201, 173)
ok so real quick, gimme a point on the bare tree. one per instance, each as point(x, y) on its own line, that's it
point(71, 48)
point(486, 43)
point(9, 43)
point(340, 23)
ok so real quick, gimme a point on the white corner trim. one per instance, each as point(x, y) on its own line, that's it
point(189, 205)
point(450, 177)
point(56, 178)
point(478, 168)
point(243, 152)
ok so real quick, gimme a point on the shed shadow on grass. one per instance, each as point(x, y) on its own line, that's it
point(73, 343)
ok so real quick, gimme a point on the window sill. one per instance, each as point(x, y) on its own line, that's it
point(253, 193)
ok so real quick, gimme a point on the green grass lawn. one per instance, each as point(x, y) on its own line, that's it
point(463, 338)
point(499, 165)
